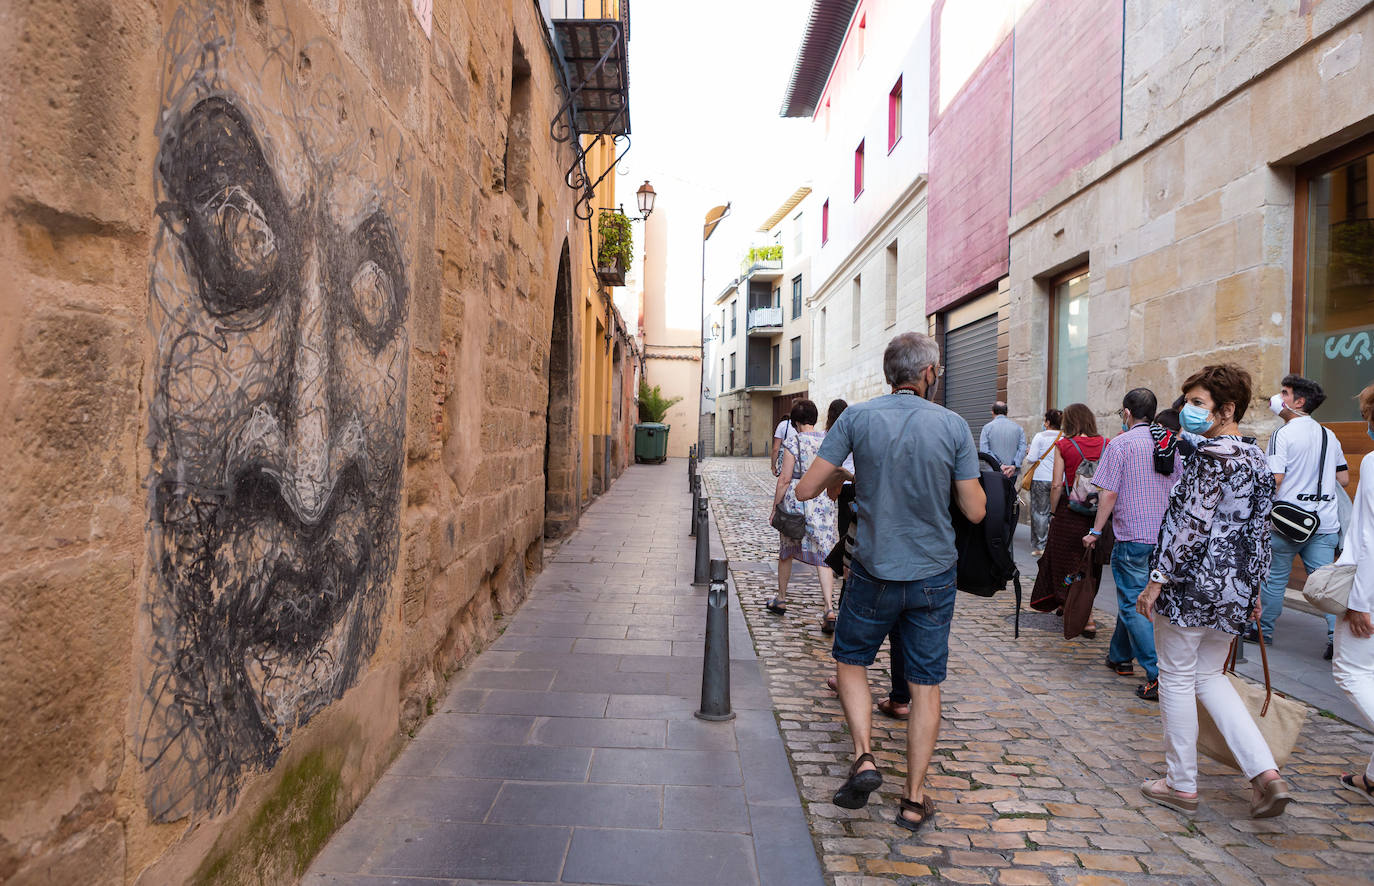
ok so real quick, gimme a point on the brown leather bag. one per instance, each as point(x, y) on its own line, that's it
point(1078, 602)
point(1030, 471)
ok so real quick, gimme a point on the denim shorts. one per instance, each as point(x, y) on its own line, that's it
point(870, 607)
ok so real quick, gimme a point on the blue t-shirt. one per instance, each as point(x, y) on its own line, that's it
point(907, 454)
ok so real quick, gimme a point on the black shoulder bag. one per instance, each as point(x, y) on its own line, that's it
point(1296, 524)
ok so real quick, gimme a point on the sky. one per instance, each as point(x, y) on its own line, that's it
point(706, 83)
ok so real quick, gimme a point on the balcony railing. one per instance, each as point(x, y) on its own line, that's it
point(767, 320)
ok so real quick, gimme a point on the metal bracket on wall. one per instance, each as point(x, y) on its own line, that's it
point(592, 54)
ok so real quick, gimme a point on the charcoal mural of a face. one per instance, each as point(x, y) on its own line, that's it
point(278, 301)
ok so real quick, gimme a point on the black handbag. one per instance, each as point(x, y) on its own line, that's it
point(1296, 524)
point(789, 524)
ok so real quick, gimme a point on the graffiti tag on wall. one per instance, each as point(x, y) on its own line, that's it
point(1349, 346)
point(278, 302)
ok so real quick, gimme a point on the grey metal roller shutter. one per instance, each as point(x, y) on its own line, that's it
point(970, 382)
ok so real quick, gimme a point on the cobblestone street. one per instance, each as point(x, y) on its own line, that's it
point(1040, 754)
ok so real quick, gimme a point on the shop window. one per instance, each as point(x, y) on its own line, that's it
point(1334, 294)
point(1069, 339)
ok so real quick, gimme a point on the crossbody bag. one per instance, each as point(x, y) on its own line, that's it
point(1298, 524)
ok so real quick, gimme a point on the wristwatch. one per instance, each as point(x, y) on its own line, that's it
point(1158, 577)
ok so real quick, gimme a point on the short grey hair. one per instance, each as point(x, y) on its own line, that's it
point(907, 355)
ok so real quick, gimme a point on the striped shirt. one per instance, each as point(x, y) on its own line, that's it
point(1127, 467)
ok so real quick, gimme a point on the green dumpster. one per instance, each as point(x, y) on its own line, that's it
point(651, 442)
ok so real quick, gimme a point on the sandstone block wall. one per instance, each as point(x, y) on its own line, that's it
point(1188, 232)
point(281, 368)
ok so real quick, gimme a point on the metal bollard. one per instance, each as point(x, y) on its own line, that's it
point(691, 466)
point(715, 665)
point(701, 574)
point(692, 517)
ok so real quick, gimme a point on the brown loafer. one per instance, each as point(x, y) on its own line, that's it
point(1274, 798)
point(894, 710)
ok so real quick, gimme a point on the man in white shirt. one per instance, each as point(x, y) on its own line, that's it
point(1307, 480)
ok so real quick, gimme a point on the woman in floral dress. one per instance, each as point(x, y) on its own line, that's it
point(822, 518)
point(1206, 572)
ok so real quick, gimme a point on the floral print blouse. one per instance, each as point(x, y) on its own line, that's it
point(1213, 548)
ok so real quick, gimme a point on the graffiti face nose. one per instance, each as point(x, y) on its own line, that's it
point(309, 476)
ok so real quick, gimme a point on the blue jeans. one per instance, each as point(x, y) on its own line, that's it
point(1134, 637)
point(871, 608)
point(1316, 552)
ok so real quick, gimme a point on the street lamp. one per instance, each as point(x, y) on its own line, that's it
point(646, 199)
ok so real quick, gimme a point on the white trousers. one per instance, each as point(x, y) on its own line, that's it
point(1190, 663)
point(1353, 667)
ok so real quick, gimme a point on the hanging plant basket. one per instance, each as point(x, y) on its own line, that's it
point(616, 250)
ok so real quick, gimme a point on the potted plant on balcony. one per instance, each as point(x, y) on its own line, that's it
point(651, 434)
point(616, 250)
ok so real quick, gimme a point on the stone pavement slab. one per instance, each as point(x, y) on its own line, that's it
point(568, 753)
point(1041, 752)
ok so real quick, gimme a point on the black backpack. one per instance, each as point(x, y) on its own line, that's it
point(986, 563)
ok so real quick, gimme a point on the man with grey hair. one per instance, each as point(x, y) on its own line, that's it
point(909, 455)
point(1004, 440)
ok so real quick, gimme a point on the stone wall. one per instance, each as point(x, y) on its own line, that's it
point(275, 375)
point(1190, 238)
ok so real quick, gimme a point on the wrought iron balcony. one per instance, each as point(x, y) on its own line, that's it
point(592, 37)
point(765, 321)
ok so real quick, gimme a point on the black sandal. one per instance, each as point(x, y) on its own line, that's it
point(926, 808)
point(1367, 791)
point(775, 607)
point(853, 794)
point(828, 622)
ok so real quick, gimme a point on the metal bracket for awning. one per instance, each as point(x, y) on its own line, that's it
point(576, 177)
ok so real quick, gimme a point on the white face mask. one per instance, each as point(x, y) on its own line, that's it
point(1276, 404)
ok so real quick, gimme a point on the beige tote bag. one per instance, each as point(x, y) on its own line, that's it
point(1279, 718)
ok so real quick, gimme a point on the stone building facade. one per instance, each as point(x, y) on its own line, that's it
point(297, 360)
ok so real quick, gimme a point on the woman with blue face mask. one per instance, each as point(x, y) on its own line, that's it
point(1352, 663)
point(1208, 566)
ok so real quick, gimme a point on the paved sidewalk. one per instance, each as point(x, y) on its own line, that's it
point(1040, 754)
point(568, 753)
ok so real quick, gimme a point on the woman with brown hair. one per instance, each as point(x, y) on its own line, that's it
point(1206, 572)
point(1064, 547)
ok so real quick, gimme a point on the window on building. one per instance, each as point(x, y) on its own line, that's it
point(825, 116)
point(777, 297)
point(516, 163)
point(859, 33)
point(894, 116)
point(890, 288)
point(796, 296)
point(796, 358)
point(734, 319)
point(732, 372)
point(722, 373)
point(776, 362)
point(825, 222)
point(858, 170)
point(820, 338)
point(796, 236)
point(1335, 294)
point(1069, 339)
point(854, 325)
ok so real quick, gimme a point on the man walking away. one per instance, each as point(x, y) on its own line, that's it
point(908, 455)
point(1004, 440)
point(1135, 494)
point(1295, 457)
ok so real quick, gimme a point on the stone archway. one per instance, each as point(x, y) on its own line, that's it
point(560, 463)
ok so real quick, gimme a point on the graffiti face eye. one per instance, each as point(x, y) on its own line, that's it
point(372, 295)
point(248, 243)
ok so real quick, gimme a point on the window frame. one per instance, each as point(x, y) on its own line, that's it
point(1053, 338)
point(859, 169)
point(794, 360)
point(825, 222)
point(894, 115)
point(1351, 434)
point(796, 297)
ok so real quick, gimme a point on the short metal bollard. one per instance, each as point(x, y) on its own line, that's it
point(692, 517)
point(715, 665)
point(691, 466)
point(701, 574)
